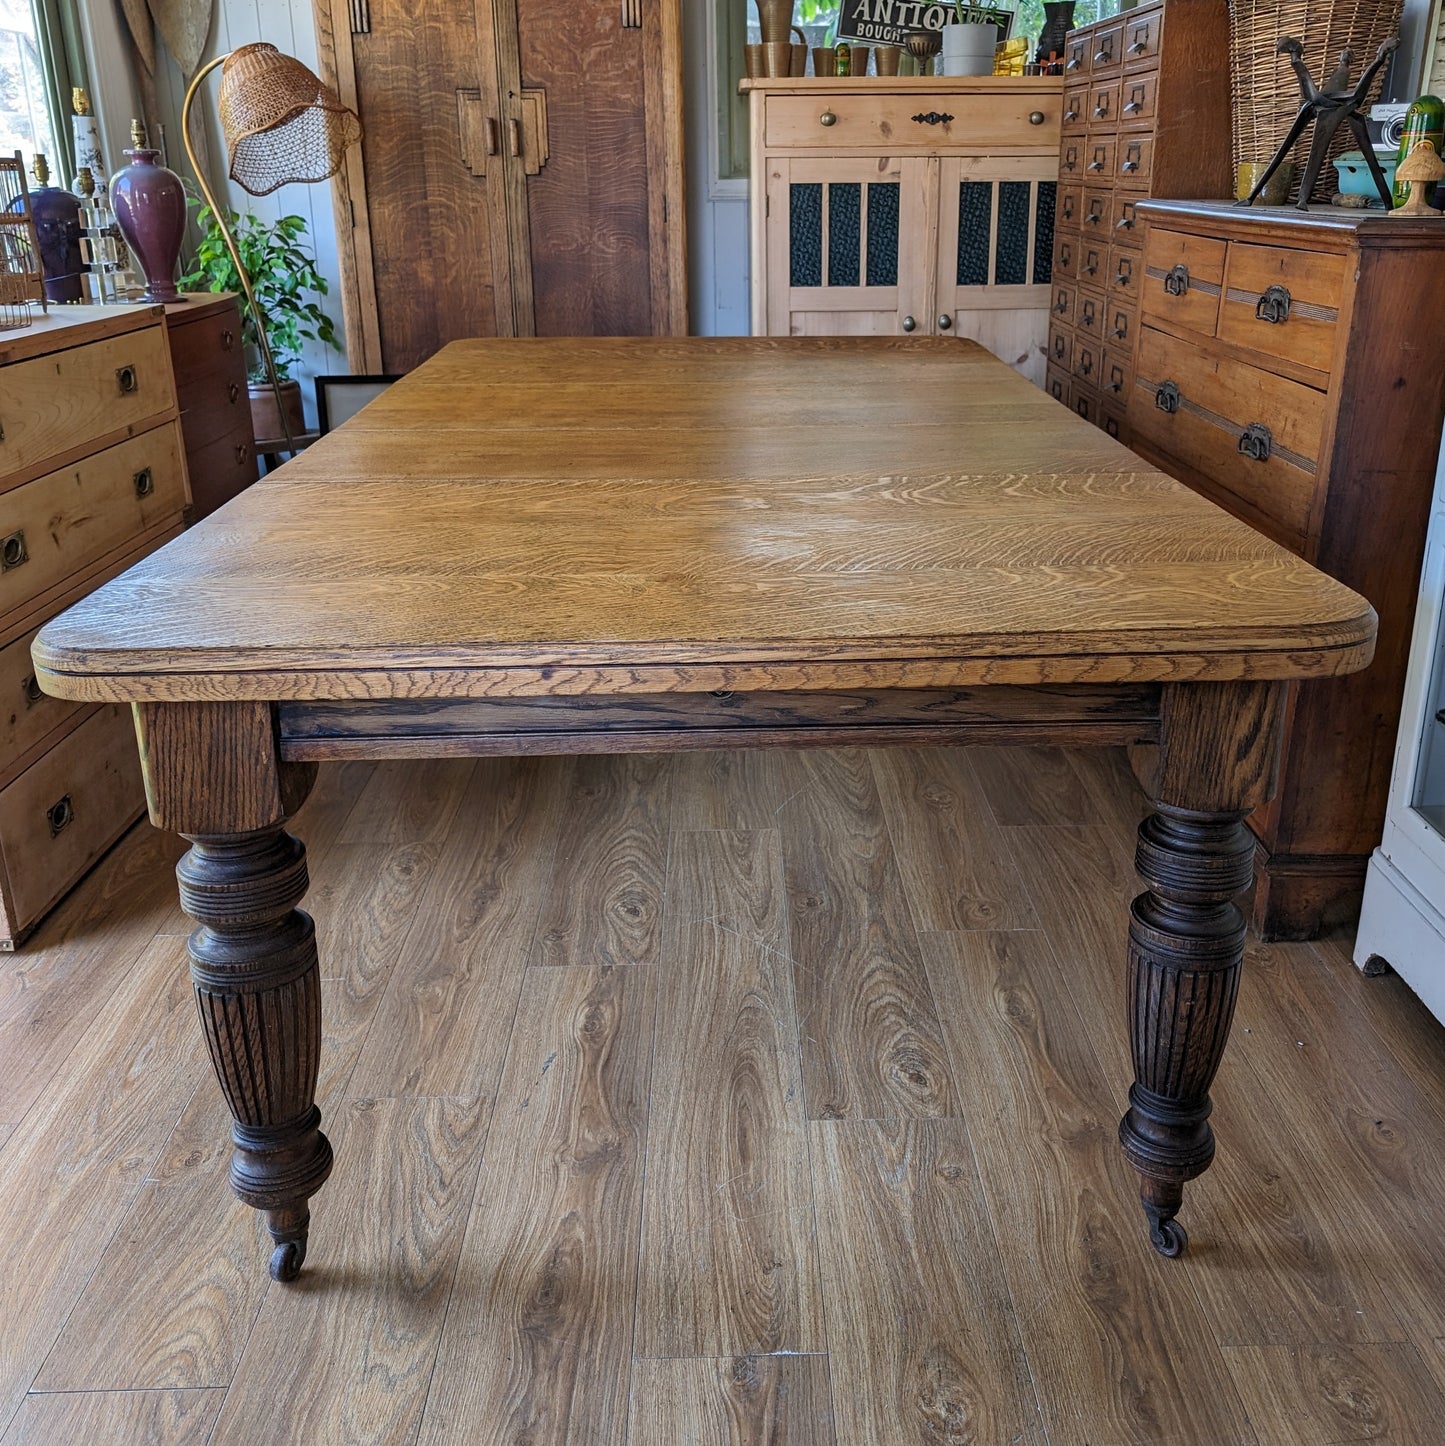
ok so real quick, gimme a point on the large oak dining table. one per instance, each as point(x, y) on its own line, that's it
point(611, 545)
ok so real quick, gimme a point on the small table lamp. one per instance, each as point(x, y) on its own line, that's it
point(279, 124)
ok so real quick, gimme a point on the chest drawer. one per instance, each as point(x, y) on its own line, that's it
point(66, 521)
point(1072, 156)
point(1183, 279)
point(1058, 386)
point(1134, 156)
point(948, 119)
point(26, 714)
point(1077, 53)
point(1127, 230)
point(1076, 107)
point(1093, 262)
point(1255, 435)
point(1108, 49)
point(1283, 303)
point(212, 344)
point(67, 808)
point(1124, 275)
point(1097, 218)
point(57, 403)
point(1090, 321)
point(1098, 156)
point(1066, 257)
point(1141, 39)
point(1104, 105)
point(1071, 204)
point(1120, 326)
point(1138, 97)
point(1064, 307)
point(1061, 347)
point(1088, 361)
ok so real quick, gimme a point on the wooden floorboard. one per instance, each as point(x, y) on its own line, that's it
point(729, 1263)
point(745, 1401)
point(646, 1075)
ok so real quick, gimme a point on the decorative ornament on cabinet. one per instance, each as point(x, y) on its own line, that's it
point(150, 209)
point(1420, 170)
point(57, 224)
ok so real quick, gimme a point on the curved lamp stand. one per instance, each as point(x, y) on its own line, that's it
point(220, 215)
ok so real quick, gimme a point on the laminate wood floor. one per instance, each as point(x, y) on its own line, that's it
point(764, 1098)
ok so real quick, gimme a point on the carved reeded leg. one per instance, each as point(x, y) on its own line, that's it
point(1186, 934)
point(253, 962)
point(214, 774)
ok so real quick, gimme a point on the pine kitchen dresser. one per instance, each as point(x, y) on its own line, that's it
point(92, 477)
point(601, 545)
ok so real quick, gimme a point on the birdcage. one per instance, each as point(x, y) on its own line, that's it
point(1266, 94)
point(21, 279)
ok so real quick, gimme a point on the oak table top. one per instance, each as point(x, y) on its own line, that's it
point(556, 516)
point(605, 545)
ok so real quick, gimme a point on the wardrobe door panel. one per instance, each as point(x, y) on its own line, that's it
point(588, 204)
point(429, 120)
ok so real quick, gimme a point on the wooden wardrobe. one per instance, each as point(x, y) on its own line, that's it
point(521, 171)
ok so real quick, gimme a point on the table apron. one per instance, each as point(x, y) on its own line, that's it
point(680, 722)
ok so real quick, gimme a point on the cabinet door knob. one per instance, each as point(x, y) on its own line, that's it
point(909, 324)
point(945, 322)
point(827, 119)
point(1037, 117)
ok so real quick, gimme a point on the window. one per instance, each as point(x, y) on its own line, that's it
point(24, 114)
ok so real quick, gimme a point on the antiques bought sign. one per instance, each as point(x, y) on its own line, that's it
point(887, 22)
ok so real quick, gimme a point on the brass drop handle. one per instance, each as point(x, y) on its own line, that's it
point(1131, 165)
point(1062, 304)
point(1086, 365)
point(30, 686)
point(233, 392)
point(1097, 164)
point(13, 551)
point(1124, 223)
point(1166, 397)
point(1096, 214)
point(145, 482)
point(827, 119)
point(1135, 103)
point(242, 452)
point(228, 339)
point(1176, 280)
point(1075, 63)
point(1059, 347)
point(127, 380)
point(1119, 333)
point(1117, 385)
point(1092, 269)
point(1140, 45)
point(1123, 278)
point(1256, 442)
point(1103, 55)
point(1037, 117)
point(60, 815)
point(1102, 109)
point(1071, 162)
point(1069, 115)
point(945, 322)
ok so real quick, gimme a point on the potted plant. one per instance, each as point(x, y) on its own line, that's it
point(283, 274)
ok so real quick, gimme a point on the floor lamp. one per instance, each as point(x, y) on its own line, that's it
point(279, 124)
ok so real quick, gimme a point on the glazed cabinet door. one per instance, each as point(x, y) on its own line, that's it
point(995, 255)
point(850, 244)
point(421, 209)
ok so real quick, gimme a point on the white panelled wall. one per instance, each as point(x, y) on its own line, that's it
point(288, 25)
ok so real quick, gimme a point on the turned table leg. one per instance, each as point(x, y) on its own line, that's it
point(258, 990)
point(1218, 749)
point(213, 774)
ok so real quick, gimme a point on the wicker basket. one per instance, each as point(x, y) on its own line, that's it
point(1266, 94)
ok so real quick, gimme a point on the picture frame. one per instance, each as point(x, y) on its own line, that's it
point(340, 397)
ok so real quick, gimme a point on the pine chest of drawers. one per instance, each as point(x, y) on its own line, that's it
point(1291, 366)
point(92, 477)
point(1146, 113)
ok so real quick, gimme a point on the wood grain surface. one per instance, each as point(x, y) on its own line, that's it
point(761, 1400)
point(974, 539)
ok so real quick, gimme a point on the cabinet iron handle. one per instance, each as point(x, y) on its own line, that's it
point(1124, 223)
point(1166, 397)
point(1140, 46)
point(1273, 306)
point(145, 482)
point(1256, 442)
point(1069, 115)
point(127, 379)
point(1062, 304)
point(1176, 280)
point(1103, 55)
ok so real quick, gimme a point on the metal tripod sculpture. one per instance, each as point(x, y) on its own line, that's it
point(1329, 107)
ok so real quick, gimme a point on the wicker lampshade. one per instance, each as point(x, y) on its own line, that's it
point(280, 122)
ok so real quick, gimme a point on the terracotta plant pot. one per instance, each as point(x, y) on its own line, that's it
point(266, 416)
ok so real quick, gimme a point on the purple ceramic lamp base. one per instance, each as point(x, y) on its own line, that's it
point(150, 209)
